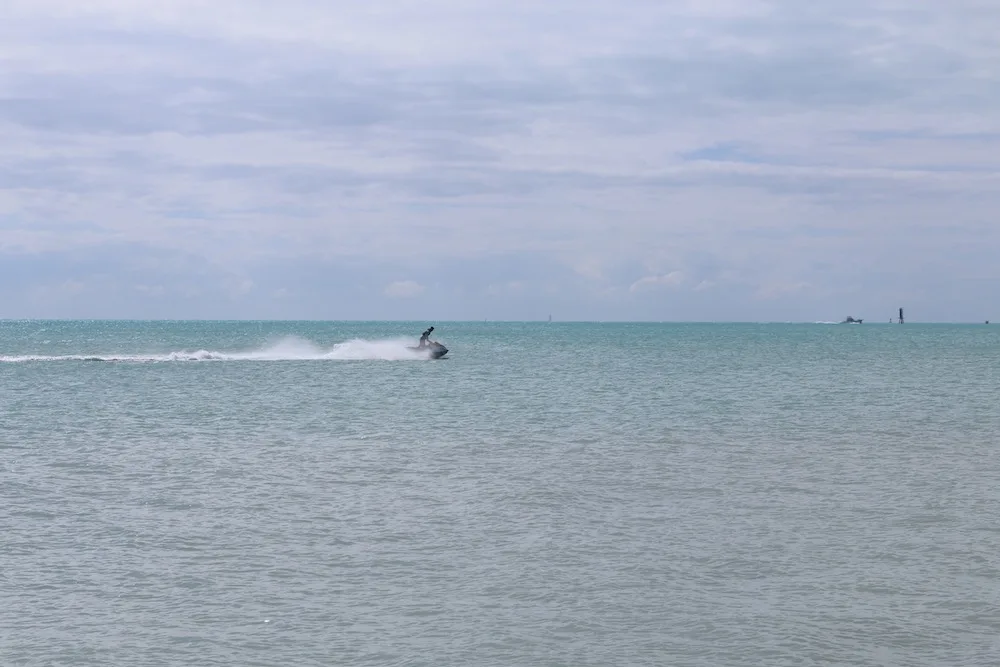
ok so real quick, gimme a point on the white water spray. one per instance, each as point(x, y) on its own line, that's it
point(287, 349)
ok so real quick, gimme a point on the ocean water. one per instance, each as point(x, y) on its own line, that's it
point(308, 493)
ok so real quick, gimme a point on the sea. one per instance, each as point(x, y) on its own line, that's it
point(556, 494)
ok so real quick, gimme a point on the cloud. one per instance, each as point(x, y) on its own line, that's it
point(151, 290)
point(775, 290)
point(849, 146)
point(404, 289)
point(672, 279)
point(508, 288)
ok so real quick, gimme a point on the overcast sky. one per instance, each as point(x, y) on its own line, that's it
point(464, 159)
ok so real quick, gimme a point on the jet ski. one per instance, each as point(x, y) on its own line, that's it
point(432, 348)
point(436, 350)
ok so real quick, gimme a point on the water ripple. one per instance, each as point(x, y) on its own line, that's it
point(727, 495)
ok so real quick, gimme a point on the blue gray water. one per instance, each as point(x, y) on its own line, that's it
point(294, 493)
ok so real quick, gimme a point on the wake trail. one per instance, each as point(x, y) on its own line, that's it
point(288, 349)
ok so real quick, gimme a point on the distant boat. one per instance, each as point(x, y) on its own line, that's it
point(851, 320)
point(550, 320)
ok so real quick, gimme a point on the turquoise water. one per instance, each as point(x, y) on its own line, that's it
point(302, 493)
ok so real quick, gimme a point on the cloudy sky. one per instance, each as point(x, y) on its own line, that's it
point(468, 159)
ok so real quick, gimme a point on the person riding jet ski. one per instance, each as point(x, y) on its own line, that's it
point(424, 338)
point(431, 348)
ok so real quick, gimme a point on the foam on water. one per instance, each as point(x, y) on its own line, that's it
point(291, 348)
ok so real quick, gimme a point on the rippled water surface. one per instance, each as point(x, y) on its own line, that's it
point(243, 493)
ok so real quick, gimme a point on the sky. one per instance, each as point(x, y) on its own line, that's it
point(663, 160)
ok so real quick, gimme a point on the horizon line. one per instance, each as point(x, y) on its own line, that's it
point(468, 321)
